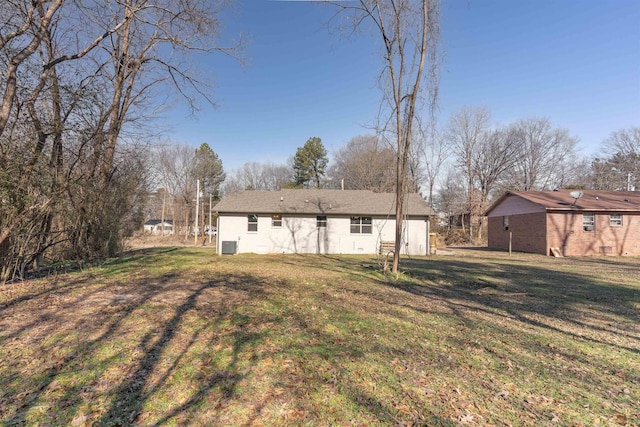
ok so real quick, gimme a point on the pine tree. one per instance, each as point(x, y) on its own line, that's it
point(310, 162)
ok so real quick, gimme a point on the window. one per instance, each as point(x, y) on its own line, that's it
point(253, 223)
point(321, 221)
point(589, 221)
point(276, 221)
point(361, 225)
point(615, 220)
point(505, 222)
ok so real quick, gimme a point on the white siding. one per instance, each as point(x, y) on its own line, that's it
point(514, 205)
point(299, 234)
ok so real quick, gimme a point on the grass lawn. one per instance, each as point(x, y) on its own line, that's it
point(182, 337)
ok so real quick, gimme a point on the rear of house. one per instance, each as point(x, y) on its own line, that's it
point(319, 221)
point(596, 223)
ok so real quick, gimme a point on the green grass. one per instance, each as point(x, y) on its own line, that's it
point(181, 337)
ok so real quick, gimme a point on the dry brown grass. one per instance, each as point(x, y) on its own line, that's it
point(179, 336)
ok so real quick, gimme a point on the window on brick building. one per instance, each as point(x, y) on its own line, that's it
point(505, 222)
point(615, 220)
point(588, 221)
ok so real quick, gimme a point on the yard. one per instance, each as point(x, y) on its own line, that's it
point(178, 336)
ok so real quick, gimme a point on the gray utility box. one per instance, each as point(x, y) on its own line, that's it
point(229, 247)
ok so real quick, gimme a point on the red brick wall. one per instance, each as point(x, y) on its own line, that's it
point(537, 233)
point(529, 233)
point(566, 232)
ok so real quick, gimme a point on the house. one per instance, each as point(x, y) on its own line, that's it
point(155, 226)
point(319, 221)
point(565, 222)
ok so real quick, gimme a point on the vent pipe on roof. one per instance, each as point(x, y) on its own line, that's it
point(281, 198)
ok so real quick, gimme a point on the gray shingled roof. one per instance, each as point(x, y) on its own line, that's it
point(319, 202)
point(591, 200)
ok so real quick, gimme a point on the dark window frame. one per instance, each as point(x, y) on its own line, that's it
point(276, 221)
point(617, 222)
point(361, 225)
point(252, 223)
point(321, 221)
point(589, 222)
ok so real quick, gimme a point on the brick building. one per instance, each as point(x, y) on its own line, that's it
point(595, 223)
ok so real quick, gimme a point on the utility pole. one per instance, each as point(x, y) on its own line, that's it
point(195, 224)
point(164, 201)
point(629, 181)
point(210, 230)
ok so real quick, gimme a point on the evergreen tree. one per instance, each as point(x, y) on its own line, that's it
point(208, 169)
point(310, 162)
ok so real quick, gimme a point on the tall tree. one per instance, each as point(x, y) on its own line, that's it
point(452, 198)
point(310, 162)
point(625, 141)
point(409, 31)
point(543, 152)
point(495, 155)
point(208, 169)
point(466, 130)
point(364, 163)
point(434, 152)
point(623, 148)
point(258, 176)
point(71, 96)
point(24, 26)
point(174, 166)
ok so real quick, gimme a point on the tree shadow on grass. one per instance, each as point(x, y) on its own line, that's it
point(219, 301)
point(101, 318)
point(540, 291)
point(521, 289)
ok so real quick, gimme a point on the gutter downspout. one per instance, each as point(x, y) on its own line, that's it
point(428, 251)
point(218, 234)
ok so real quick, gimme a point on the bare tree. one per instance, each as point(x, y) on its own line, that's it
point(452, 199)
point(71, 97)
point(364, 163)
point(495, 155)
point(23, 28)
point(465, 134)
point(258, 176)
point(175, 165)
point(434, 154)
point(410, 34)
point(623, 149)
point(542, 152)
point(625, 141)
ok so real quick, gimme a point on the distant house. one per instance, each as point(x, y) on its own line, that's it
point(155, 226)
point(566, 222)
point(319, 221)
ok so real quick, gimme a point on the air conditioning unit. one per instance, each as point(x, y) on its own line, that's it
point(229, 247)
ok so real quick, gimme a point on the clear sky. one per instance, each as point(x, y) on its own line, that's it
point(576, 62)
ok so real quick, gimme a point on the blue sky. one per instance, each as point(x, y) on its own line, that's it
point(576, 62)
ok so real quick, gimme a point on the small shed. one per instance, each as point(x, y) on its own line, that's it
point(567, 222)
